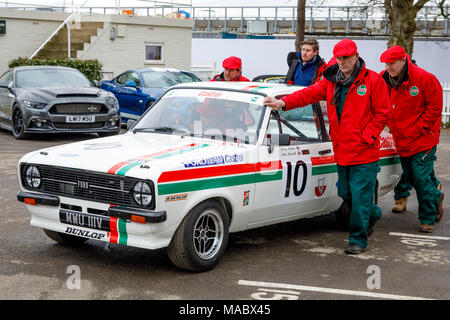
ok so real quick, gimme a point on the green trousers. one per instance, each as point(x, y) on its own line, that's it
point(403, 188)
point(418, 170)
point(356, 185)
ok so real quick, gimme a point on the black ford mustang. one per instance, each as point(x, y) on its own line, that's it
point(37, 99)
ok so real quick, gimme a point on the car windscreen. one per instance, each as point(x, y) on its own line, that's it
point(212, 114)
point(161, 79)
point(37, 78)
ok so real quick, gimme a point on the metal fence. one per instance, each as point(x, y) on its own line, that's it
point(367, 17)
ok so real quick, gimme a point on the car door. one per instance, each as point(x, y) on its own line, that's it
point(129, 96)
point(309, 176)
point(6, 99)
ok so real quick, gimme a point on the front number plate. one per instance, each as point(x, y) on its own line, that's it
point(84, 220)
point(80, 119)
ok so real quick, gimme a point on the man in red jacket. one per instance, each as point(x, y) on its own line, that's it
point(358, 110)
point(232, 70)
point(416, 96)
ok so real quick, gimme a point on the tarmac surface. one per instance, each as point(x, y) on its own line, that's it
point(302, 260)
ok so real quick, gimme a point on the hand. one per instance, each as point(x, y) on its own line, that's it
point(274, 103)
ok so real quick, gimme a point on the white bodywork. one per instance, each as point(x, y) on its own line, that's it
point(257, 187)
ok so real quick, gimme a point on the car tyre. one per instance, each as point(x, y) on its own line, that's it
point(201, 238)
point(342, 216)
point(18, 124)
point(65, 238)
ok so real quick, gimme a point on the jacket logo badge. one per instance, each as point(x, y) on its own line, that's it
point(321, 187)
point(361, 90)
point(414, 91)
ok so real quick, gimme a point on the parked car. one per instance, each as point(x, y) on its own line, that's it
point(270, 78)
point(138, 89)
point(37, 99)
point(206, 160)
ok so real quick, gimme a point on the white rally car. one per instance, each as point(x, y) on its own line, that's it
point(206, 160)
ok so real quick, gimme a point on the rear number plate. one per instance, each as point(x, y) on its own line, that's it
point(80, 119)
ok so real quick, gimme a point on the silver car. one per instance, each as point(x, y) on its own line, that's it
point(38, 99)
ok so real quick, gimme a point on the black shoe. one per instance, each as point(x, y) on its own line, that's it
point(354, 249)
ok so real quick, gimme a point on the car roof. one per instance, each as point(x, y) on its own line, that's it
point(269, 89)
point(156, 69)
point(43, 67)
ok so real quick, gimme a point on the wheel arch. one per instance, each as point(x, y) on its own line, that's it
point(223, 201)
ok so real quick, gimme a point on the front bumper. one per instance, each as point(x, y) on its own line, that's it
point(41, 120)
point(113, 211)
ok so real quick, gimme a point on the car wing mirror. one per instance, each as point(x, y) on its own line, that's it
point(97, 83)
point(130, 124)
point(130, 83)
point(4, 85)
point(282, 139)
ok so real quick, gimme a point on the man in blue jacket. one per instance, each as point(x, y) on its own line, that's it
point(305, 67)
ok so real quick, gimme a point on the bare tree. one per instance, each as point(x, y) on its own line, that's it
point(401, 15)
point(300, 29)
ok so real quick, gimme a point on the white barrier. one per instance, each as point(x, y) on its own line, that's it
point(446, 108)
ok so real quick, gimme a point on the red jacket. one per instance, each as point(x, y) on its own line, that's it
point(417, 108)
point(365, 114)
point(219, 77)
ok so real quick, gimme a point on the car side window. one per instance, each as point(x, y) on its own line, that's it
point(7, 77)
point(135, 77)
point(323, 108)
point(122, 78)
point(302, 124)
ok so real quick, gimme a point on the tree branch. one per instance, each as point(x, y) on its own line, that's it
point(441, 6)
point(419, 5)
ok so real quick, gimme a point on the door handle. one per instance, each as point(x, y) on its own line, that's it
point(322, 152)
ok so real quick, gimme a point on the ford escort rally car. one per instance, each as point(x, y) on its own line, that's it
point(207, 160)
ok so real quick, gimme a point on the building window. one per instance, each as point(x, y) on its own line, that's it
point(153, 53)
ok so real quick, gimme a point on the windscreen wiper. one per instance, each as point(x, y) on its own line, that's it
point(155, 129)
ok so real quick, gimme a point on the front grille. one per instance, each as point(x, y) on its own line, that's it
point(74, 125)
point(78, 108)
point(70, 95)
point(87, 185)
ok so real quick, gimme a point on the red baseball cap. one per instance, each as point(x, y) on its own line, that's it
point(232, 63)
point(392, 54)
point(345, 47)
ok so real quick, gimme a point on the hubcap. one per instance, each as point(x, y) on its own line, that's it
point(208, 234)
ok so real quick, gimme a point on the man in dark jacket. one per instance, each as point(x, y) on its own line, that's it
point(305, 67)
point(358, 110)
point(416, 96)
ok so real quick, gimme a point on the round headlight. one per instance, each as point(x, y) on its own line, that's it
point(33, 177)
point(142, 193)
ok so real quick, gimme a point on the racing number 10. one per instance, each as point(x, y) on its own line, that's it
point(297, 191)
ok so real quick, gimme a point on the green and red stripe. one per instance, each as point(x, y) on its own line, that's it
point(123, 167)
point(118, 229)
point(218, 177)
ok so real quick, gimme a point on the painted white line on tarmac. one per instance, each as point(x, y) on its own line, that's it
point(398, 234)
point(328, 290)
